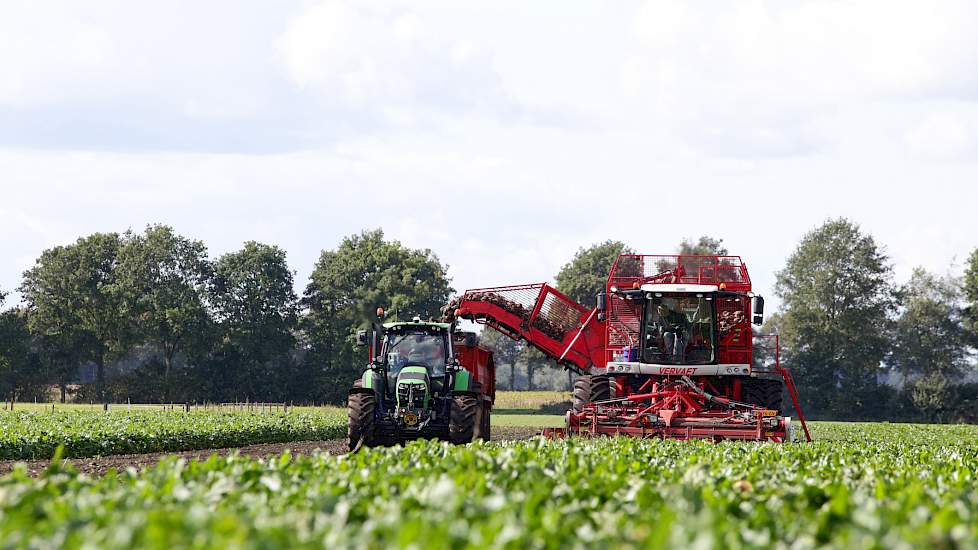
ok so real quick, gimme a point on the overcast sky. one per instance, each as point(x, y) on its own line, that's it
point(502, 135)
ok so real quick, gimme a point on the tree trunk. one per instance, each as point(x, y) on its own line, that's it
point(529, 376)
point(63, 386)
point(512, 377)
point(100, 376)
point(167, 363)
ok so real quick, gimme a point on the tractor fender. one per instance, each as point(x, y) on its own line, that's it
point(367, 383)
point(463, 382)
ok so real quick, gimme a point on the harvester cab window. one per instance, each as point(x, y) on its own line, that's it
point(417, 348)
point(679, 330)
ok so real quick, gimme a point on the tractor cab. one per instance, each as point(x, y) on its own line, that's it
point(416, 353)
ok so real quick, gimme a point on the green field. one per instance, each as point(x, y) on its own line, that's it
point(859, 486)
point(32, 434)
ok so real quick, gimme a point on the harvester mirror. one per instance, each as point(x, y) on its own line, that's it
point(362, 339)
point(758, 310)
point(602, 302)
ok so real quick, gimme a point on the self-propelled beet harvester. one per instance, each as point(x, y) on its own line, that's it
point(668, 351)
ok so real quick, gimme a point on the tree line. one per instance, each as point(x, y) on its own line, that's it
point(154, 319)
point(157, 320)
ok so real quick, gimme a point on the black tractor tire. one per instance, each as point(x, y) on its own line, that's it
point(589, 388)
point(763, 393)
point(361, 429)
point(463, 418)
point(482, 426)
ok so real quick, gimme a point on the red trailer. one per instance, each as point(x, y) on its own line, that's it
point(668, 351)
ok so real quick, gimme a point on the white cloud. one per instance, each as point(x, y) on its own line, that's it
point(502, 135)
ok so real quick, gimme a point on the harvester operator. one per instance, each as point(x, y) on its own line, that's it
point(675, 332)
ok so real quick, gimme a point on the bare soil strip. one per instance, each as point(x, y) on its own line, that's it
point(98, 465)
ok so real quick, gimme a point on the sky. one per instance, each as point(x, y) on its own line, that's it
point(501, 135)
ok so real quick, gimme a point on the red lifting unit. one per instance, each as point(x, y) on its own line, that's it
point(668, 351)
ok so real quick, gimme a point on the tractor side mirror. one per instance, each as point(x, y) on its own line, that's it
point(362, 339)
point(758, 310)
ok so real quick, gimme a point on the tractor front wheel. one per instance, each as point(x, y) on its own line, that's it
point(361, 429)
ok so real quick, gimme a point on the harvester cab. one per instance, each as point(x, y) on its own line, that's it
point(423, 380)
point(668, 351)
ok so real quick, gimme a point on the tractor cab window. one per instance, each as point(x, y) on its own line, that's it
point(679, 330)
point(419, 348)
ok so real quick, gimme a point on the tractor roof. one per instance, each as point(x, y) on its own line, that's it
point(416, 324)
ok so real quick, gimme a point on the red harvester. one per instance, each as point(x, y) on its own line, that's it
point(668, 351)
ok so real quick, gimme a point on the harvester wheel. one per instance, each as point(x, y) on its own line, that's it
point(589, 388)
point(361, 429)
point(462, 420)
point(763, 393)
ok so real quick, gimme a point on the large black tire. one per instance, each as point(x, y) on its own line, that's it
point(483, 426)
point(361, 429)
point(763, 393)
point(462, 420)
point(589, 388)
point(481, 430)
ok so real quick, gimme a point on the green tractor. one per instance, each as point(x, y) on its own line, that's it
point(424, 380)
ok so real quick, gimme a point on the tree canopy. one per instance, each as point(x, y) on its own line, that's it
point(585, 275)
point(75, 289)
point(704, 246)
point(929, 335)
point(970, 287)
point(838, 296)
point(164, 279)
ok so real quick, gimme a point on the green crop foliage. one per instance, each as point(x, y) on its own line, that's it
point(36, 434)
point(859, 486)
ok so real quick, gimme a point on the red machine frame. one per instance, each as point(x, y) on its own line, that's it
point(674, 402)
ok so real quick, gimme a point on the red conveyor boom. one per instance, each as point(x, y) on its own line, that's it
point(546, 318)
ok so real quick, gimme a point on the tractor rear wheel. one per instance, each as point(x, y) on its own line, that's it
point(462, 420)
point(763, 393)
point(482, 426)
point(361, 429)
point(589, 388)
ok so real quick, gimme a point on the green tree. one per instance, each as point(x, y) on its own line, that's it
point(16, 369)
point(506, 352)
point(585, 275)
point(164, 277)
point(256, 306)
point(837, 298)
point(349, 283)
point(74, 289)
point(970, 286)
point(705, 246)
point(930, 336)
point(933, 395)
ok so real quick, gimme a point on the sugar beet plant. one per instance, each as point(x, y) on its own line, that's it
point(36, 434)
point(867, 486)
